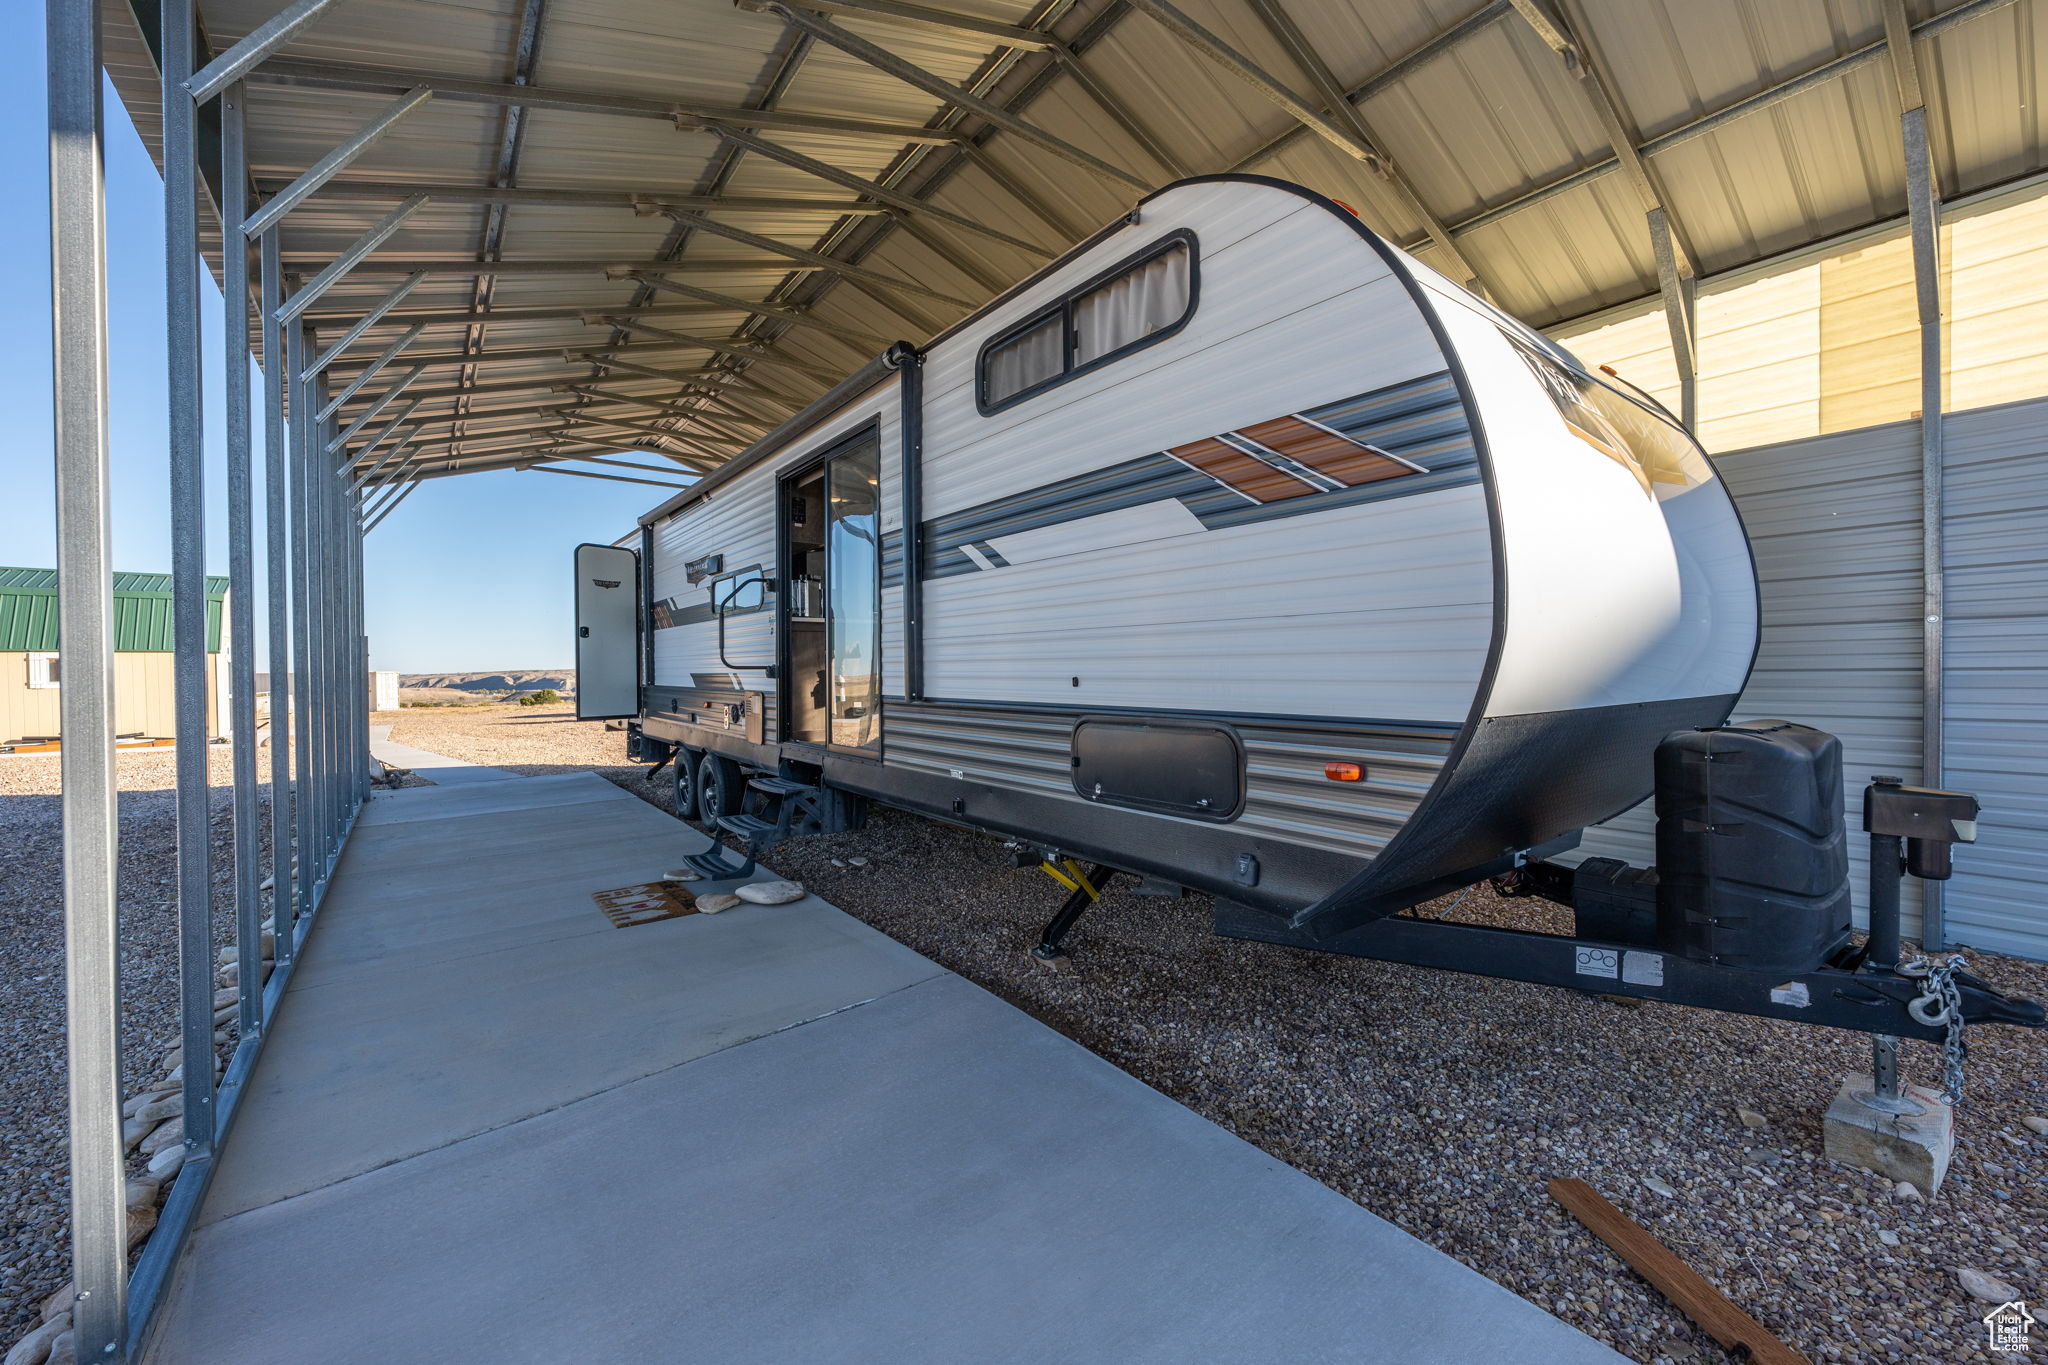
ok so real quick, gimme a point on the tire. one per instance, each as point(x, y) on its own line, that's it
point(685, 783)
point(719, 788)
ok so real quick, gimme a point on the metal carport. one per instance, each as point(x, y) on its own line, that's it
point(538, 233)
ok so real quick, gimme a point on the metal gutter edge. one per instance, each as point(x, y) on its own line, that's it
point(817, 410)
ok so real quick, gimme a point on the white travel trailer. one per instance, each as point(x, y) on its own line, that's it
point(1235, 548)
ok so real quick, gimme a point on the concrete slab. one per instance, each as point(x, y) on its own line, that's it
point(436, 768)
point(409, 805)
point(489, 1126)
point(929, 1177)
point(368, 1066)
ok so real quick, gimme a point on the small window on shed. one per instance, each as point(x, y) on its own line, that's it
point(1025, 360)
point(42, 670)
point(1149, 297)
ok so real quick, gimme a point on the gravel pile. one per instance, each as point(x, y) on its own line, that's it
point(34, 1160)
point(1440, 1102)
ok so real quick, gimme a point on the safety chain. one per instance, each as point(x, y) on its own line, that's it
point(1940, 1005)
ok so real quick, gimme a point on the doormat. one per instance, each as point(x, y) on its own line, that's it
point(645, 903)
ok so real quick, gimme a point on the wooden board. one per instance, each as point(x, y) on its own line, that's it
point(1679, 1282)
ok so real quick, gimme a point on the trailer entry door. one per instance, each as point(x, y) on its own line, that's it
point(832, 684)
point(607, 632)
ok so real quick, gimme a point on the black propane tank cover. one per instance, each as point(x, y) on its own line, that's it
point(1752, 852)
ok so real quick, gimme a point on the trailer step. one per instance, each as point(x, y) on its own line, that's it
point(746, 826)
point(714, 866)
point(779, 786)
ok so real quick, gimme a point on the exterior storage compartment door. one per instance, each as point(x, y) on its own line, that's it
point(607, 632)
point(1165, 766)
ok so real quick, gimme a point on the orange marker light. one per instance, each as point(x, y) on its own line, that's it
point(1344, 772)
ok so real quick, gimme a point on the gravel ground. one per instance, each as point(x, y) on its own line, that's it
point(34, 1184)
point(1440, 1102)
point(1444, 1103)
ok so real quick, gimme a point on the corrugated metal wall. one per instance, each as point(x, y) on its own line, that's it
point(1835, 522)
point(1997, 691)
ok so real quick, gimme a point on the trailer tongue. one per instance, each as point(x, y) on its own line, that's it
point(1747, 912)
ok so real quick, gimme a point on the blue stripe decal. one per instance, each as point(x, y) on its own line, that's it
point(1422, 421)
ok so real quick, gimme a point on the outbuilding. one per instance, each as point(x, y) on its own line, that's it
point(31, 665)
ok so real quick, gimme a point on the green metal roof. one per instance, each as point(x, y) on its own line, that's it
point(142, 611)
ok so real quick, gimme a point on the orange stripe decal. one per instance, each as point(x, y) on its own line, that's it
point(1326, 452)
point(1255, 479)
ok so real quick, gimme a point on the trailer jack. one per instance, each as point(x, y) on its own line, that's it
point(1083, 890)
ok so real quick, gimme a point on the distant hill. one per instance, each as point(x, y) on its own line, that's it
point(563, 680)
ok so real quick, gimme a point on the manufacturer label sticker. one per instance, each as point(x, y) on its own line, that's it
point(1792, 993)
point(1599, 962)
point(1643, 969)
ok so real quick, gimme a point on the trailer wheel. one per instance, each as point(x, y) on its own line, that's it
point(686, 783)
point(718, 788)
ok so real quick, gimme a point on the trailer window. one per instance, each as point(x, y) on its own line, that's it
point(1141, 300)
point(1149, 297)
point(1025, 359)
point(1618, 424)
point(738, 592)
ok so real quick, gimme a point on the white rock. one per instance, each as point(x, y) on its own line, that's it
point(34, 1348)
point(684, 874)
point(168, 1162)
point(269, 944)
point(1989, 1288)
point(268, 884)
point(133, 1131)
point(142, 1192)
point(2035, 1123)
point(839, 862)
point(717, 903)
point(228, 975)
point(141, 1222)
point(1906, 1189)
point(226, 997)
point(1750, 1118)
point(63, 1351)
point(858, 862)
point(1660, 1187)
point(58, 1304)
point(166, 1134)
point(136, 1101)
point(224, 1014)
point(162, 1107)
point(770, 893)
point(1888, 1237)
point(228, 954)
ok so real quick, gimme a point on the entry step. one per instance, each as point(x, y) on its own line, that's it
point(746, 826)
point(779, 786)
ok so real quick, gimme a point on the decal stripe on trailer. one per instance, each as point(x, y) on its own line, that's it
point(1408, 438)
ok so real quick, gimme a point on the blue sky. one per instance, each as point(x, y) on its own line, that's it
point(471, 573)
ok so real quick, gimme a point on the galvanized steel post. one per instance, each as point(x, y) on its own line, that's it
point(241, 564)
point(276, 481)
point(85, 611)
point(188, 577)
point(305, 857)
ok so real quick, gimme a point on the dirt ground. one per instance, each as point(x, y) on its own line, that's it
point(1444, 1103)
point(34, 1162)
